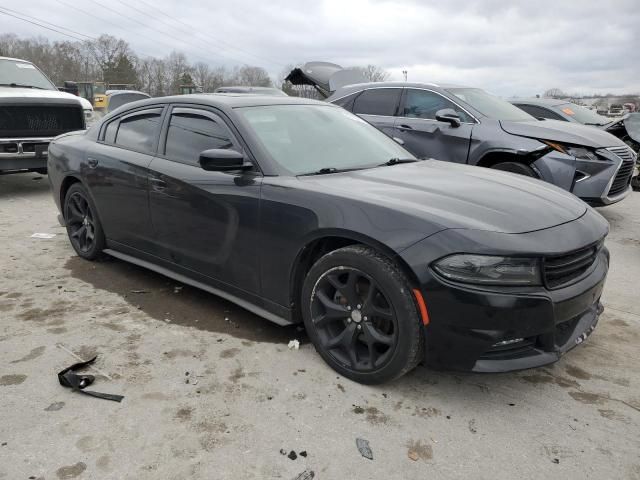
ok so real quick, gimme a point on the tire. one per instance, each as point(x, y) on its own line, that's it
point(83, 225)
point(515, 167)
point(377, 339)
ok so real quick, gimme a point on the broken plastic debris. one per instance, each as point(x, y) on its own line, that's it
point(294, 344)
point(292, 455)
point(43, 235)
point(306, 475)
point(413, 455)
point(68, 378)
point(364, 448)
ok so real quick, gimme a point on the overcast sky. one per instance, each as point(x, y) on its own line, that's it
point(510, 48)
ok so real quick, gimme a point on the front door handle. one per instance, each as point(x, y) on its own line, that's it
point(158, 184)
point(404, 128)
point(93, 162)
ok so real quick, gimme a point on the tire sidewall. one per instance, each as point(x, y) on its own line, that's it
point(99, 242)
point(397, 290)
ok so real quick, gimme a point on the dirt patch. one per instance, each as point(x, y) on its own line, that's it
point(237, 374)
point(417, 450)
point(373, 415)
point(14, 295)
point(54, 407)
point(577, 372)
point(57, 330)
point(34, 353)
point(588, 398)
point(71, 471)
point(229, 353)
point(57, 309)
point(6, 380)
point(158, 298)
point(612, 415)
point(184, 414)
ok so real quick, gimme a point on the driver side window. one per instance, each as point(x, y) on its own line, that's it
point(425, 104)
point(190, 133)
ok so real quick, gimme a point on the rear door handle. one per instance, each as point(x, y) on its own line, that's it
point(404, 128)
point(93, 162)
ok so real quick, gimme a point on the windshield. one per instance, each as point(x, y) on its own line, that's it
point(23, 73)
point(581, 114)
point(490, 105)
point(306, 138)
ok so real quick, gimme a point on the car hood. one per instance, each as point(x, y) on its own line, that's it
point(32, 93)
point(562, 132)
point(325, 76)
point(457, 196)
point(631, 123)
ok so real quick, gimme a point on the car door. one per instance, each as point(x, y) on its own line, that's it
point(205, 222)
point(379, 106)
point(426, 137)
point(117, 176)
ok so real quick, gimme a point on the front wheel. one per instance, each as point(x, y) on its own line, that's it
point(515, 167)
point(360, 314)
point(83, 226)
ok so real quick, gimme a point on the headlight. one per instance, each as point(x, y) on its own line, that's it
point(578, 152)
point(489, 270)
point(88, 117)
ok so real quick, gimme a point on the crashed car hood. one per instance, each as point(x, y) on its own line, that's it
point(327, 77)
point(562, 132)
point(458, 196)
point(631, 124)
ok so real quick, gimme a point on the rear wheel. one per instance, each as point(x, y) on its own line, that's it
point(515, 167)
point(83, 226)
point(360, 314)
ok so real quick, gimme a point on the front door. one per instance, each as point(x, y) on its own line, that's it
point(205, 222)
point(379, 106)
point(426, 137)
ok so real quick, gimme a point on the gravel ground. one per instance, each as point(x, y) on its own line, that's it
point(212, 391)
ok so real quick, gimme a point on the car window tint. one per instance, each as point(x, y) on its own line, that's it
point(540, 112)
point(347, 102)
point(425, 104)
point(190, 134)
point(110, 132)
point(377, 101)
point(138, 132)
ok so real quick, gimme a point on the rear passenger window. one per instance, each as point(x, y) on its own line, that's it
point(346, 102)
point(190, 134)
point(378, 101)
point(110, 132)
point(138, 132)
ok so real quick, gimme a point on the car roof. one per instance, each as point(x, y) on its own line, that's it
point(15, 59)
point(545, 102)
point(405, 84)
point(230, 100)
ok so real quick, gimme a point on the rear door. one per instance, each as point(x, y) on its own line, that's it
point(426, 137)
point(205, 222)
point(379, 106)
point(117, 176)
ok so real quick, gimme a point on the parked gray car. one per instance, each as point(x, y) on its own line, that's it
point(468, 125)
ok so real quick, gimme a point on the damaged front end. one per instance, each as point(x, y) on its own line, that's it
point(627, 129)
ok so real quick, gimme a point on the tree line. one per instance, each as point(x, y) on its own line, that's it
point(112, 60)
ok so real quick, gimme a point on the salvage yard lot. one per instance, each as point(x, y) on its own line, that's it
point(212, 391)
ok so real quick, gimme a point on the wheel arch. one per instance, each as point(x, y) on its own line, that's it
point(327, 241)
point(65, 185)
point(493, 157)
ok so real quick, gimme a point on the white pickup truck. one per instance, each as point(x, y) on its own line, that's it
point(32, 112)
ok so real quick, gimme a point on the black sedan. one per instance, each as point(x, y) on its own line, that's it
point(301, 211)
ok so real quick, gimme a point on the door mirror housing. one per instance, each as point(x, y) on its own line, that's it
point(448, 115)
point(223, 160)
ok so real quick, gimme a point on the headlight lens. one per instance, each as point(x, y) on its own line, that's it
point(490, 270)
point(578, 152)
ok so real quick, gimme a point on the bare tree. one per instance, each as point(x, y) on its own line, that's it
point(554, 93)
point(373, 73)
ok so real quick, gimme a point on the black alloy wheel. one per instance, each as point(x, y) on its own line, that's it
point(361, 315)
point(83, 226)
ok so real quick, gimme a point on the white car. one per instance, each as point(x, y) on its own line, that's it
point(32, 112)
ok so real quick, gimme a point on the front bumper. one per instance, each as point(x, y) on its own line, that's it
point(18, 154)
point(486, 330)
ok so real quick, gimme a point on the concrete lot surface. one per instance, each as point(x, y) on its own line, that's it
point(212, 391)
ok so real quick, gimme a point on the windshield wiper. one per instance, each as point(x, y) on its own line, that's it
point(396, 161)
point(19, 85)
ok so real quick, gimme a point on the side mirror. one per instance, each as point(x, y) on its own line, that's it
point(222, 160)
point(448, 115)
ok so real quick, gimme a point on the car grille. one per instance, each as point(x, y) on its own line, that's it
point(523, 348)
point(39, 120)
point(623, 177)
point(560, 270)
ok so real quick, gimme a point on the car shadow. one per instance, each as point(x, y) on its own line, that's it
point(167, 300)
point(23, 184)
